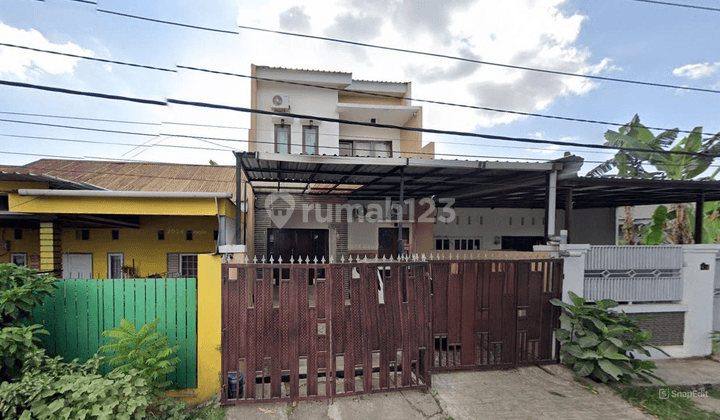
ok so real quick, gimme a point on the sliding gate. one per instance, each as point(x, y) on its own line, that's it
point(314, 331)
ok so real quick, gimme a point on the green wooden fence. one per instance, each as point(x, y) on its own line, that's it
point(81, 310)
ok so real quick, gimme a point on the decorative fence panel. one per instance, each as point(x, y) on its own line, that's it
point(634, 274)
point(81, 310)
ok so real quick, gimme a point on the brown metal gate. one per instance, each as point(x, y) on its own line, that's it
point(314, 331)
point(494, 314)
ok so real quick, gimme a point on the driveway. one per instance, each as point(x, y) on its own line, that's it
point(547, 392)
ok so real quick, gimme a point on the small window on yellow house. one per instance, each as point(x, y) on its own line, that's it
point(115, 233)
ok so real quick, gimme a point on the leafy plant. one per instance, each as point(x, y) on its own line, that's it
point(146, 350)
point(15, 342)
point(598, 343)
point(21, 289)
point(715, 338)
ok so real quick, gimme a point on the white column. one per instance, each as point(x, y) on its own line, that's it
point(698, 276)
point(573, 269)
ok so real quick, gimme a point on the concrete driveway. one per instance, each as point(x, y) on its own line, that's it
point(547, 392)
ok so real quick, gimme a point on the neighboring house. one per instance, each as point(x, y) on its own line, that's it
point(85, 219)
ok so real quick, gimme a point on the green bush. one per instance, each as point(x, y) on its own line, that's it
point(147, 351)
point(21, 289)
point(598, 342)
point(53, 389)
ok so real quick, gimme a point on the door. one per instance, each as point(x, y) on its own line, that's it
point(77, 266)
point(115, 264)
point(387, 241)
point(297, 243)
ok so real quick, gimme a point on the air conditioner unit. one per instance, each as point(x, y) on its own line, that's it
point(280, 103)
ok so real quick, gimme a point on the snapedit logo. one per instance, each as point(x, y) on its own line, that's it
point(280, 207)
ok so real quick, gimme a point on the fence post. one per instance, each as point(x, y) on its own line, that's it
point(573, 269)
point(209, 326)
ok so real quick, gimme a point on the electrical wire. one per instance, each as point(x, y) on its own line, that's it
point(470, 60)
point(374, 94)
point(29, 114)
point(409, 51)
point(689, 6)
point(167, 22)
point(342, 121)
point(101, 60)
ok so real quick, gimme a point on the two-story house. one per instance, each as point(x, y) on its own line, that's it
point(334, 97)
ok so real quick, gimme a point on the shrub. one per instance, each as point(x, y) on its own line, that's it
point(598, 342)
point(147, 351)
point(21, 289)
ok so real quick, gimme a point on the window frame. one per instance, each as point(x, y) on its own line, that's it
point(305, 129)
point(183, 273)
point(19, 254)
point(279, 127)
point(373, 151)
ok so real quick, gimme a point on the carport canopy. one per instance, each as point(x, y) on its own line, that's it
point(479, 184)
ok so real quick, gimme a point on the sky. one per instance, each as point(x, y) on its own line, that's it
point(622, 39)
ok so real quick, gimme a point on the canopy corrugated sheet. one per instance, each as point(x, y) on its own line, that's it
point(470, 183)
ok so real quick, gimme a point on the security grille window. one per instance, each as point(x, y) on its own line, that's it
point(188, 265)
point(366, 148)
point(19, 258)
point(310, 139)
point(115, 264)
point(461, 244)
point(282, 139)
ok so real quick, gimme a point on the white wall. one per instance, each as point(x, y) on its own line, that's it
point(698, 274)
point(306, 101)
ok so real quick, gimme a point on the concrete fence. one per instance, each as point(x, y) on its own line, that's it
point(668, 289)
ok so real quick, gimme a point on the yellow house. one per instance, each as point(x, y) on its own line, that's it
point(84, 219)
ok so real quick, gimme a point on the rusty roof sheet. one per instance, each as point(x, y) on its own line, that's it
point(135, 176)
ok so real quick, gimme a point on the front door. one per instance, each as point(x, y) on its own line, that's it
point(387, 241)
point(297, 243)
point(77, 266)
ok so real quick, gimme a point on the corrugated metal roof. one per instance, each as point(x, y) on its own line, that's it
point(135, 176)
point(18, 174)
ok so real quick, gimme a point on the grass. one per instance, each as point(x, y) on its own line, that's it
point(671, 408)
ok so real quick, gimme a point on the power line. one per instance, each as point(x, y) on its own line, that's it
point(134, 133)
point(101, 60)
point(689, 6)
point(416, 52)
point(28, 114)
point(470, 60)
point(427, 130)
point(429, 101)
point(166, 22)
point(349, 122)
point(82, 93)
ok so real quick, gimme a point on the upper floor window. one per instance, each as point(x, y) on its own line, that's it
point(282, 138)
point(310, 139)
point(366, 148)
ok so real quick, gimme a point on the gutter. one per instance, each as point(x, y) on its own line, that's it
point(122, 194)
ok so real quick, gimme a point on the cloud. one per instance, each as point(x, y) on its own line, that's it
point(24, 64)
point(413, 17)
point(459, 70)
point(697, 70)
point(295, 19)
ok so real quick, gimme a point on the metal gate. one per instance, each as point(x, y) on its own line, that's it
point(314, 331)
point(494, 314)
